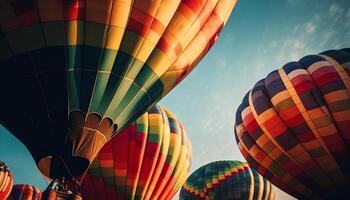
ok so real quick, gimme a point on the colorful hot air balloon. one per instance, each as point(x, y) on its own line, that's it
point(226, 180)
point(75, 72)
point(293, 127)
point(24, 192)
point(6, 181)
point(149, 159)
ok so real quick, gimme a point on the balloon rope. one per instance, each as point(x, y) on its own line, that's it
point(82, 178)
point(66, 166)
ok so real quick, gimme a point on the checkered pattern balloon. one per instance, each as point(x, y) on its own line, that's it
point(149, 159)
point(293, 127)
point(226, 180)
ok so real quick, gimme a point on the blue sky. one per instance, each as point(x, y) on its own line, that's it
point(260, 36)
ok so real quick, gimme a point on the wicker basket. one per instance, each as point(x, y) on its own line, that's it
point(51, 193)
point(56, 195)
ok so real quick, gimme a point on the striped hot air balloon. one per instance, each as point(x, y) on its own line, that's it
point(6, 181)
point(293, 127)
point(76, 72)
point(25, 192)
point(149, 159)
point(226, 180)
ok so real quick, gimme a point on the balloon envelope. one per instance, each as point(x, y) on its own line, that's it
point(293, 127)
point(24, 192)
point(76, 72)
point(149, 159)
point(6, 181)
point(226, 180)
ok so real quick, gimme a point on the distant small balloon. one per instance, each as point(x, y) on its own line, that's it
point(226, 180)
point(6, 181)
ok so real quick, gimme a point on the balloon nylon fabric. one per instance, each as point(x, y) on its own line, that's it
point(149, 159)
point(6, 181)
point(25, 192)
point(76, 72)
point(226, 180)
point(293, 127)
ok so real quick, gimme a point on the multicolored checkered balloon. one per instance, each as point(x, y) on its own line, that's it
point(149, 159)
point(293, 127)
point(226, 180)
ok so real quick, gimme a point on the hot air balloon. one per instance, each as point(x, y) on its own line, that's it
point(25, 192)
point(293, 127)
point(6, 181)
point(76, 72)
point(149, 159)
point(226, 180)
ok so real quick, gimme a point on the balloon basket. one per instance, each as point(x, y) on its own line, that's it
point(60, 189)
point(56, 195)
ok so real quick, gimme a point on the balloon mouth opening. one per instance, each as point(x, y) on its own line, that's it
point(57, 167)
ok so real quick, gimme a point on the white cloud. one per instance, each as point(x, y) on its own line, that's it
point(334, 8)
point(336, 11)
point(259, 69)
point(310, 27)
point(296, 28)
point(291, 49)
point(297, 44)
point(317, 17)
point(325, 36)
point(273, 44)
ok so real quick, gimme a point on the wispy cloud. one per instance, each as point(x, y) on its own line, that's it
point(334, 8)
point(296, 28)
point(310, 27)
point(337, 11)
point(348, 13)
point(273, 44)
